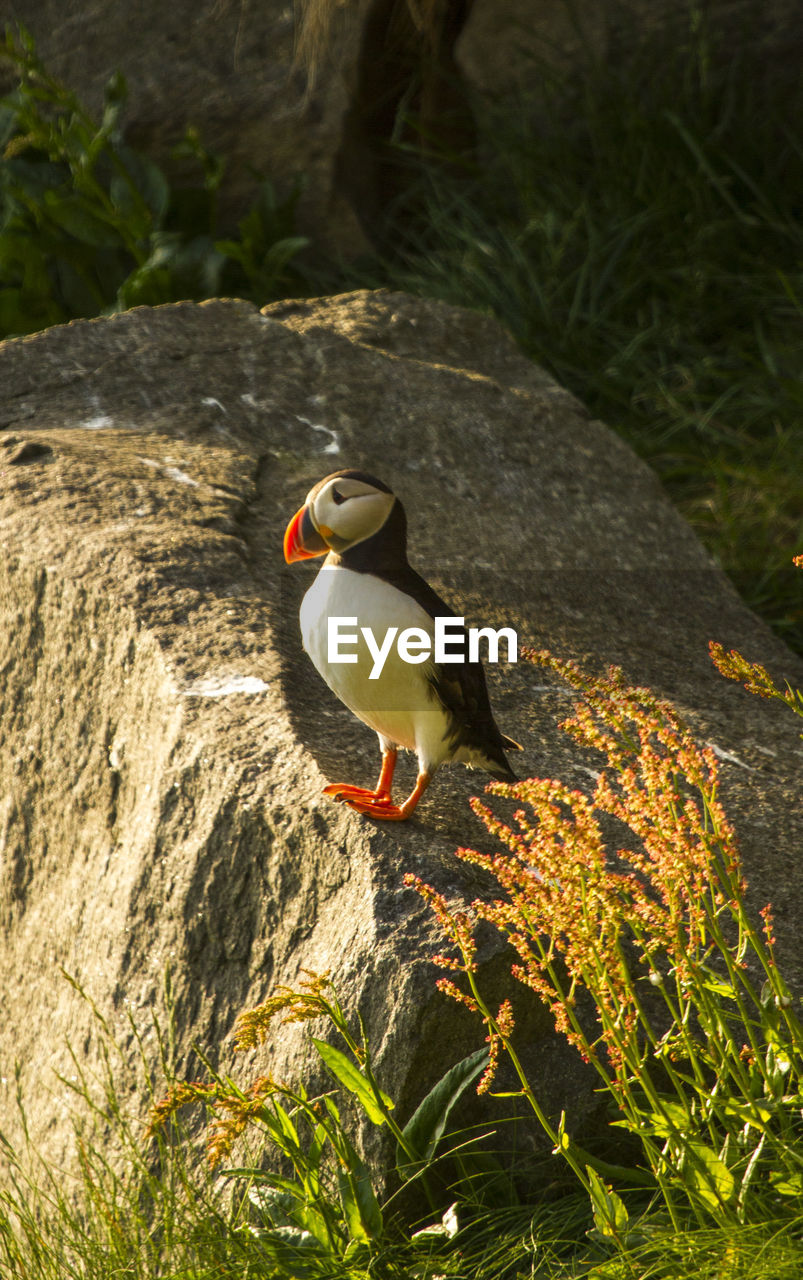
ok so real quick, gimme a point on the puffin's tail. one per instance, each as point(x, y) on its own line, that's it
point(507, 776)
point(503, 772)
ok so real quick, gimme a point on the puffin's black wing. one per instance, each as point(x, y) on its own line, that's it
point(461, 687)
point(464, 693)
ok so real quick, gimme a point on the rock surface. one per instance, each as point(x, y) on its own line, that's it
point(165, 740)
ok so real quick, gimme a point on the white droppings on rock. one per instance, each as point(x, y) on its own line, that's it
point(221, 687)
point(334, 444)
point(98, 423)
point(175, 473)
point(263, 404)
point(722, 754)
point(591, 773)
point(172, 473)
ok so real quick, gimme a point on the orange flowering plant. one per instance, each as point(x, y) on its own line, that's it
point(314, 1198)
point(305, 1220)
point(694, 1032)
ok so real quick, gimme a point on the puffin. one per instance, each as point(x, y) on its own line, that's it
point(441, 712)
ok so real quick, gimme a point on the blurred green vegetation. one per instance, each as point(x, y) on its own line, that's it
point(89, 226)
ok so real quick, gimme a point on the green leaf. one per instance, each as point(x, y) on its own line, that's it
point(757, 1114)
point(280, 253)
point(360, 1205)
point(147, 286)
point(344, 1070)
point(331, 1107)
point(127, 202)
point(175, 269)
point(718, 988)
point(275, 1180)
point(611, 1218)
point(278, 1208)
point(231, 249)
point(315, 1150)
point(706, 1175)
point(295, 1253)
point(74, 215)
point(426, 1126)
point(351, 1208)
point(671, 1121)
point(150, 184)
point(311, 1219)
point(282, 1128)
point(787, 1184)
point(283, 1203)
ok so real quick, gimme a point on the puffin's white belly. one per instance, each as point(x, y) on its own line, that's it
point(400, 704)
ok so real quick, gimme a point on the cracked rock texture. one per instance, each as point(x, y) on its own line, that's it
point(165, 740)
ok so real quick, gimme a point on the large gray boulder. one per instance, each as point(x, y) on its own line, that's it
point(165, 740)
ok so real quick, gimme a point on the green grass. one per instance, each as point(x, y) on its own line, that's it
point(649, 252)
point(154, 1211)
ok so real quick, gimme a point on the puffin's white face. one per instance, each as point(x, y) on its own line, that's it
point(339, 512)
point(347, 511)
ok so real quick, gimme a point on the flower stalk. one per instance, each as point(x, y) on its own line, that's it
point(708, 1072)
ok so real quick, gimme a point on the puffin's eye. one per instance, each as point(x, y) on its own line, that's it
point(337, 498)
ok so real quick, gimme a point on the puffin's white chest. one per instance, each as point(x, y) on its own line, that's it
point(400, 703)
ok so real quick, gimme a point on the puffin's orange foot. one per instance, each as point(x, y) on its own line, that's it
point(341, 791)
point(378, 807)
point(381, 792)
point(378, 804)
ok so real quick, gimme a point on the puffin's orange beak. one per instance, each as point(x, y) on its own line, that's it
point(301, 539)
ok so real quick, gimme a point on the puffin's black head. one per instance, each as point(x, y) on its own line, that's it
point(345, 510)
